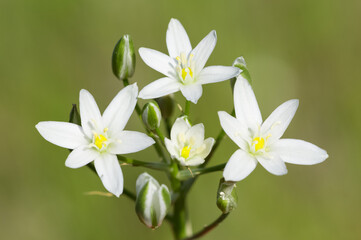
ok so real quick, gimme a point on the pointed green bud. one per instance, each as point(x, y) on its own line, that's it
point(241, 64)
point(166, 105)
point(226, 196)
point(74, 116)
point(151, 115)
point(152, 201)
point(123, 59)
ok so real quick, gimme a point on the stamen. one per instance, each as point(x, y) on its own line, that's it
point(185, 152)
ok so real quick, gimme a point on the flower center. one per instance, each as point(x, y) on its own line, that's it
point(258, 143)
point(100, 140)
point(185, 152)
point(184, 68)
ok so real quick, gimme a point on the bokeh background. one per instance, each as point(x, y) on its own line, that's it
point(309, 50)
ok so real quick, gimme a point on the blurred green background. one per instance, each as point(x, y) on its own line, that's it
point(310, 50)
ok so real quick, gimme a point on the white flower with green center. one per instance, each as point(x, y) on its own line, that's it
point(184, 67)
point(260, 142)
point(99, 138)
point(187, 143)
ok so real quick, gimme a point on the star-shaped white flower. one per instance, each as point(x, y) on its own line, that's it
point(260, 142)
point(184, 67)
point(187, 143)
point(99, 138)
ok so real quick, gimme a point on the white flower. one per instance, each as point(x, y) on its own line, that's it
point(99, 138)
point(260, 142)
point(187, 143)
point(184, 67)
point(153, 200)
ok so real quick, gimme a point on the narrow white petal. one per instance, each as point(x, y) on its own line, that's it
point(63, 134)
point(217, 74)
point(245, 104)
point(273, 164)
point(161, 203)
point(89, 113)
point(158, 61)
point(299, 152)
point(109, 171)
point(81, 156)
point(239, 166)
point(234, 129)
point(177, 39)
point(179, 128)
point(193, 161)
point(130, 142)
point(192, 92)
point(120, 109)
point(160, 88)
point(203, 50)
point(143, 179)
point(277, 123)
point(208, 144)
point(195, 135)
point(171, 148)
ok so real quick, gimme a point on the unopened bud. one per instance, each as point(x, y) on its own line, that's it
point(123, 59)
point(152, 201)
point(151, 115)
point(74, 116)
point(166, 105)
point(226, 196)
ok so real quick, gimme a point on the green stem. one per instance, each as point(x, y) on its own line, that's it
point(208, 228)
point(136, 163)
point(160, 135)
point(126, 192)
point(185, 174)
point(181, 225)
point(187, 107)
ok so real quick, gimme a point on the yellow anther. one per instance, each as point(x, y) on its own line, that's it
point(184, 73)
point(185, 152)
point(106, 130)
point(99, 140)
point(258, 143)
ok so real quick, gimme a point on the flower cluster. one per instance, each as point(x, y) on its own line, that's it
point(100, 141)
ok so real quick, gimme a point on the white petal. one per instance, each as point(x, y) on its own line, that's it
point(63, 134)
point(277, 123)
point(246, 106)
point(89, 113)
point(193, 161)
point(158, 61)
point(192, 92)
point(273, 164)
point(177, 39)
point(171, 148)
point(207, 144)
point(81, 156)
point(203, 50)
point(120, 109)
point(130, 142)
point(217, 74)
point(161, 203)
point(239, 166)
point(143, 179)
point(109, 171)
point(179, 128)
point(195, 135)
point(234, 129)
point(159, 88)
point(299, 152)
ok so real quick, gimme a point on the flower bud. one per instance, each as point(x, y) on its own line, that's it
point(166, 105)
point(123, 59)
point(152, 201)
point(241, 64)
point(151, 115)
point(226, 196)
point(74, 116)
